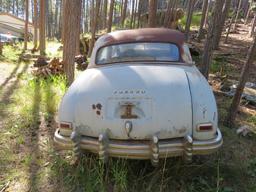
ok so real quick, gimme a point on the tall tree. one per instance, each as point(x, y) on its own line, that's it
point(123, 15)
point(105, 11)
point(172, 19)
point(26, 25)
point(42, 28)
point(56, 14)
point(204, 11)
point(94, 24)
point(208, 46)
point(237, 12)
point(253, 25)
point(35, 24)
point(71, 32)
point(13, 7)
point(17, 8)
point(139, 13)
point(61, 21)
point(220, 24)
point(133, 13)
point(110, 15)
point(230, 25)
point(152, 13)
point(248, 12)
point(49, 19)
point(1, 48)
point(189, 18)
point(240, 88)
point(168, 13)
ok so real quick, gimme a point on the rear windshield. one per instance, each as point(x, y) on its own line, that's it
point(134, 52)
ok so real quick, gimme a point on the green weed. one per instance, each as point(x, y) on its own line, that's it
point(11, 53)
point(195, 22)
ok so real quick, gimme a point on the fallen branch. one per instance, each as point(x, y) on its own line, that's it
point(5, 186)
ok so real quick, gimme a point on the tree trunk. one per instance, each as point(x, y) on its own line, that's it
point(208, 46)
point(94, 25)
point(110, 15)
point(35, 24)
point(17, 7)
point(26, 26)
point(13, 7)
point(56, 18)
point(237, 13)
point(168, 13)
point(189, 18)
point(123, 16)
point(172, 20)
point(253, 25)
point(139, 13)
point(221, 23)
point(230, 25)
point(61, 21)
point(49, 20)
point(92, 9)
point(71, 32)
point(240, 88)
point(133, 13)
point(87, 16)
point(248, 13)
point(152, 13)
point(1, 48)
point(207, 14)
point(42, 28)
point(204, 11)
point(105, 13)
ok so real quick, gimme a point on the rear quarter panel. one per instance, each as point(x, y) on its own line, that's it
point(204, 104)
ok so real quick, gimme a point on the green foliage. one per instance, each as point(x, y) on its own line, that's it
point(27, 99)
point(252, 168)
point(252, 119)
point(220, 65)
point(195, 22)
point(10, 53)
point(223, 107)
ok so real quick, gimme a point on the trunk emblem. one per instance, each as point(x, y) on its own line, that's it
point(128, 112)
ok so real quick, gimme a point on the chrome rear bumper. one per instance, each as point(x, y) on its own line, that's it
point(153, 150)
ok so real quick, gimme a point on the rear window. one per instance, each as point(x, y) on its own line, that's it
point(134, 52)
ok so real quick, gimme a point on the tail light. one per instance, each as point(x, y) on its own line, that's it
point(65, 125)
point(205, 127)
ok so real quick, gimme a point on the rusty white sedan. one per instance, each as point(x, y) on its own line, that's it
point(141, 97)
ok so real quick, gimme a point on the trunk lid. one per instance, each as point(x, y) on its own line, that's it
point(151, 100)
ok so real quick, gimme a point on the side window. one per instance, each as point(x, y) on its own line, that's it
point(186, 55)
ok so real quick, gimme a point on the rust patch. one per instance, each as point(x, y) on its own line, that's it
point(98, 112)
point(99, 106)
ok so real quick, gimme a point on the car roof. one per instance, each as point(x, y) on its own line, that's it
point(139, 35)
point(142, 35)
